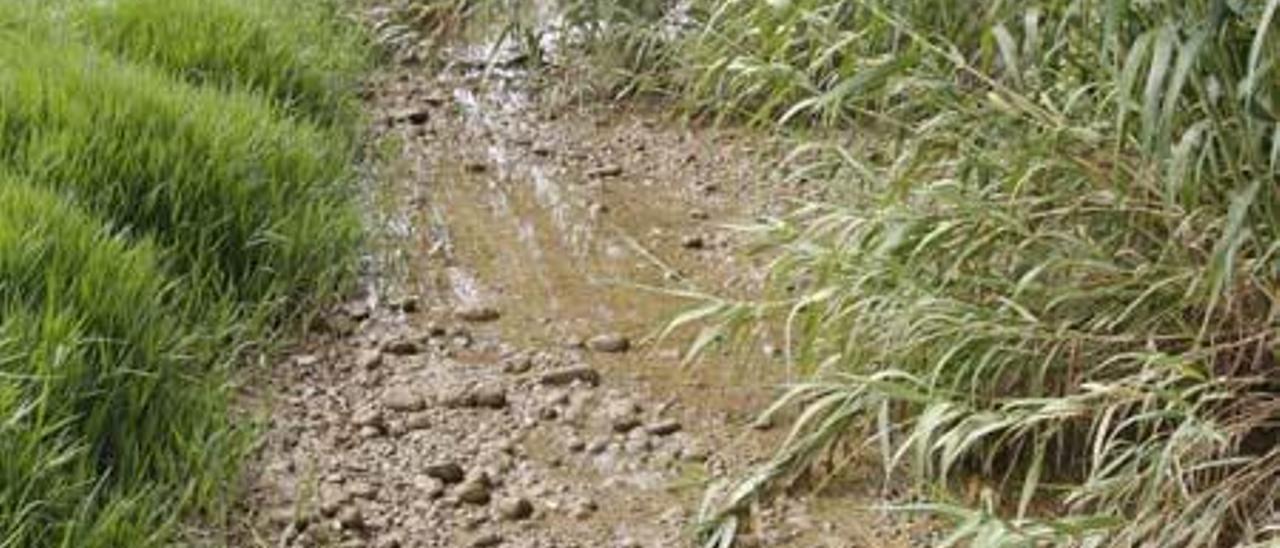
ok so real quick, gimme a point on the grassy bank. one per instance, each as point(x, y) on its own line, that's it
point(1051, 273)
point(175, 182)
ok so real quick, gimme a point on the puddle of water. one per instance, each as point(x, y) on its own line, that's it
point(524, 216)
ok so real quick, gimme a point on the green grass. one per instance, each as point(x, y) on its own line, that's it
point(302, 53)
point(167, 200)
point(111, 407)
point(1052, 265)
point(252, 203)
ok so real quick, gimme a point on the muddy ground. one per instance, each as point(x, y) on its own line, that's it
point(498, 382)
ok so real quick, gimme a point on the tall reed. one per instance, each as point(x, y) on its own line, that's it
point(1054, 265)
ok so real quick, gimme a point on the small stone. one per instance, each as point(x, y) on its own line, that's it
point(583, 509)
point(490, 397)
point(369, 359)
point(409, 304)
point(567, 375)
point(370, 432)
point(391, 541)
point(403, 347)
point(623, 415)
point(417, 421)
point(609, 343)
point(367, 417)
point(693, 242)
point(429, 486)
point(549, 414)
point(417, 117)
point(664, 428)
point(517, 365)
point(306, 360)
point(516, 509)
point(358, 310)
point(331, 502)
point(487, 540)
point(403, 399)
point(558, 397)
point(474, 492)
point(694, 453)
point(448, 472)
point(623, 425)
point(351, 518)
point(597, 446)
point(605, 171)
point(476, 313)
point(576, 445)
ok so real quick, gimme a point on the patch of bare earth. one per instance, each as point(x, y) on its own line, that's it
point(498, 383)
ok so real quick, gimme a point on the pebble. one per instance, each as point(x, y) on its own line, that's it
point(597, 446)
point(474, 492)
point(417, 116)
point(358, 310)
point(476, 313)
point(369, 359)
point(664, 428)
point(516, 509)
point(403, 347)
point(436, 330)
point(403, 399)
point(409, 304)
point(490, 397)
point(605, 171)
point(417, 421)
point(351, 518)
point(517, 365)
point(567, 375)
point(487, 540)
point(625, 424)
point(391, 541)
point(486, 397)
point(448, 472)
point(693, 242)
point(430, 486)
point(609, 343)
point(623, 415)
point(584, 508)
point(367, 417)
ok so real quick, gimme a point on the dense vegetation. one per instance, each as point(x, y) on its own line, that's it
point(1050, 258)
point(174, 185)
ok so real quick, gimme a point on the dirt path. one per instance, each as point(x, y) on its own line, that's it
point(498, 385)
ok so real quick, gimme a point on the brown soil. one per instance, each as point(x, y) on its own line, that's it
point(522, 236)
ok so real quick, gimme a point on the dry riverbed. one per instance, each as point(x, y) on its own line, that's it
point(498, 382)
